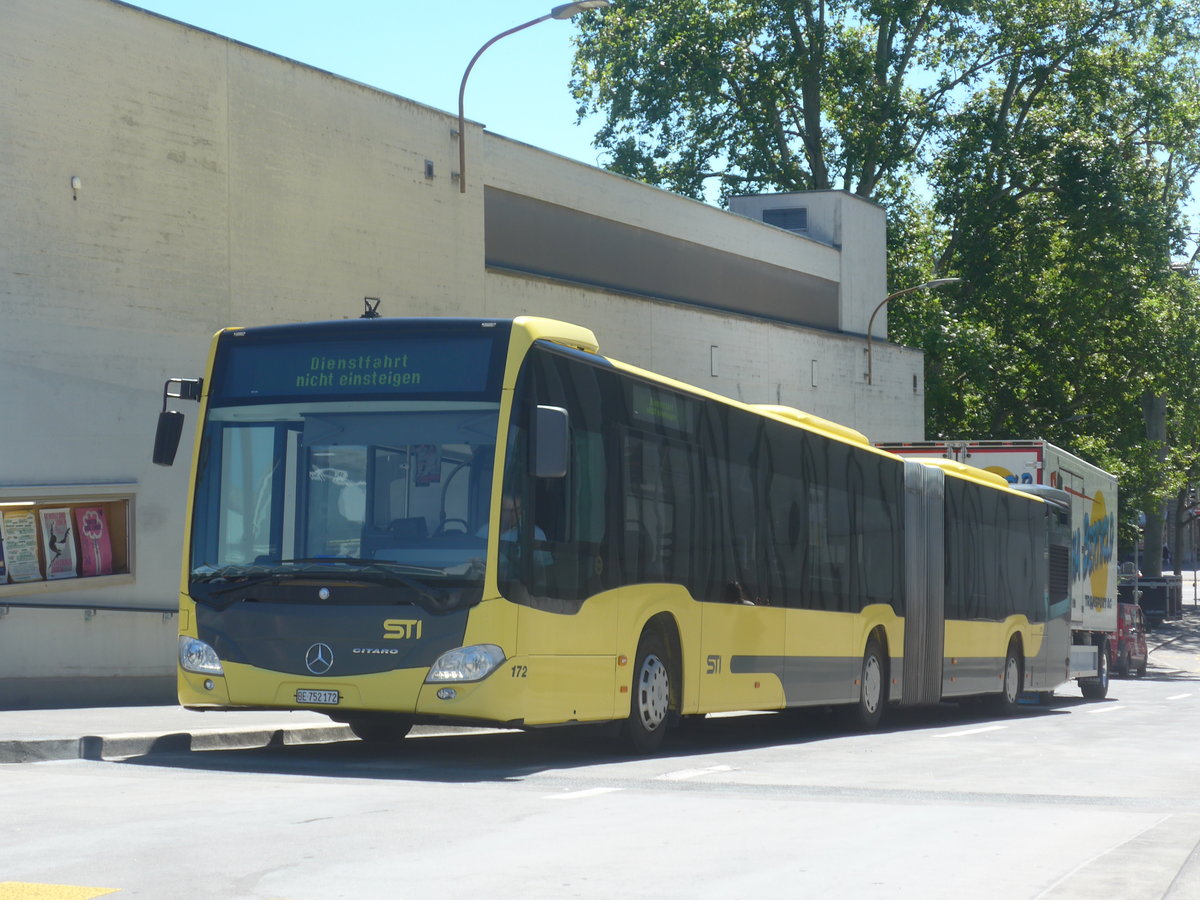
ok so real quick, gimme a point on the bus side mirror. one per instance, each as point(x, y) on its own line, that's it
point(170, 422)
point(551, 439)
point(166, 438)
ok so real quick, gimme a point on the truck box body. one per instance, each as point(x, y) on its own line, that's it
point(1093, 511)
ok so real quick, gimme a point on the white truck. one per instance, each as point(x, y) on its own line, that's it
point(1093, 500)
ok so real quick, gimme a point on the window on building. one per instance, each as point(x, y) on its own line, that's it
point(57, 539)
point(794, 219)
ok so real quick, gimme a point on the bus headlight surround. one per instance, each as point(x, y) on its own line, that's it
point(197, 656)
point(472, 663)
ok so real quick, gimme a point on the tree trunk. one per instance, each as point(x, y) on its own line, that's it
point(1179, 522)
point(1154, 408)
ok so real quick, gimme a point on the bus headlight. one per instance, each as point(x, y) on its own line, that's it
point(472, 663)
point(197, 656)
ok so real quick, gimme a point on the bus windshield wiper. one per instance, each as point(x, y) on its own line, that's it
point(236, 578)
point(365, 570)
point(375, 565)
point(242, 574)
point(240, 582)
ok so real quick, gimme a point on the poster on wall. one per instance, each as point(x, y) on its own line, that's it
point(19, 528)
point(95, 546)
point(57, 543)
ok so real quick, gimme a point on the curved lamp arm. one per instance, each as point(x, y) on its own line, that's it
point(924, 285)
point(565, 11)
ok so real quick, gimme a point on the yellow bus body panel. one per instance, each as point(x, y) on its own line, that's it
point(731, 632)
point(989, 640)
point(493, 621)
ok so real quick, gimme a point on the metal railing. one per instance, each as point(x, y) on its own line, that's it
point(5, 605)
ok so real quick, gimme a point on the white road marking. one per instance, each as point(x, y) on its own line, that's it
point(1103, 709)
point(972, 731)
point(1179, 697)
point(684, 774)
point(581, 795)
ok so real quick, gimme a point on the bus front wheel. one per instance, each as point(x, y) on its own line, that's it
point(381, 730)
point(650, 705)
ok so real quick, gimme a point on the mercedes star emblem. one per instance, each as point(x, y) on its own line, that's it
point(319, 659)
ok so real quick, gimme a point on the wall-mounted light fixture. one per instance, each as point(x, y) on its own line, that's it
point(76, 185)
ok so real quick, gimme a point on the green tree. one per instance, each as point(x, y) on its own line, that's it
point(1057, 197)
point(1039, 150)
point(790, 96)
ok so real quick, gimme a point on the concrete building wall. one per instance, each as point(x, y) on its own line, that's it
point(218, 184)
point(856, 231)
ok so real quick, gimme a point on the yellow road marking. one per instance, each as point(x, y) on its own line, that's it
point(23, 890)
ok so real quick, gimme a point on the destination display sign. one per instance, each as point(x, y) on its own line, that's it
point(425, 364)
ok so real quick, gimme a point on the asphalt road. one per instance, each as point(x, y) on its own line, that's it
point(1059, 802)
point(1073, 800)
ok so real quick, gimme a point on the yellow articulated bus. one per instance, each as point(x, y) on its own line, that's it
point(395, 521)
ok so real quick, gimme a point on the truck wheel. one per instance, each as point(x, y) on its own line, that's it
point(1096, 688)
point(1123, 665)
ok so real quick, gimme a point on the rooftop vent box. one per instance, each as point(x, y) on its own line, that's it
point(793, 219)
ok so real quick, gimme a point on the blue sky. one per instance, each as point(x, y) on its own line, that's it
point(419, 50)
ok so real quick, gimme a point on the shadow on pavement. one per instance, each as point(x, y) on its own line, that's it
point(513, 756)
point(497, 756)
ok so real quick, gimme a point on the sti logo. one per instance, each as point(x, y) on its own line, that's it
point(402, 629)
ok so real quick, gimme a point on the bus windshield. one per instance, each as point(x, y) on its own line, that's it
point(358, 453)
point(376, 491)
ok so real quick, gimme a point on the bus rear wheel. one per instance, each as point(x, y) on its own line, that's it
point(1006, 701)
point(650, 705)
point(872, 695)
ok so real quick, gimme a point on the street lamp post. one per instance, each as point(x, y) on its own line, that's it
point(925, 285)
point(565, 11)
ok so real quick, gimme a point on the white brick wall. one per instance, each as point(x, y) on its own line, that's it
point(223, 185)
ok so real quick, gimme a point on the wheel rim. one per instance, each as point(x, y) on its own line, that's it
point(654, 693)
point(872, 688)
point(1012, 679)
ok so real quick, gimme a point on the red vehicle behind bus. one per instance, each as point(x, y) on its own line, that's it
point(1128, 652)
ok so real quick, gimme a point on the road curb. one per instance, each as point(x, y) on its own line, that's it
point(124, 746)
